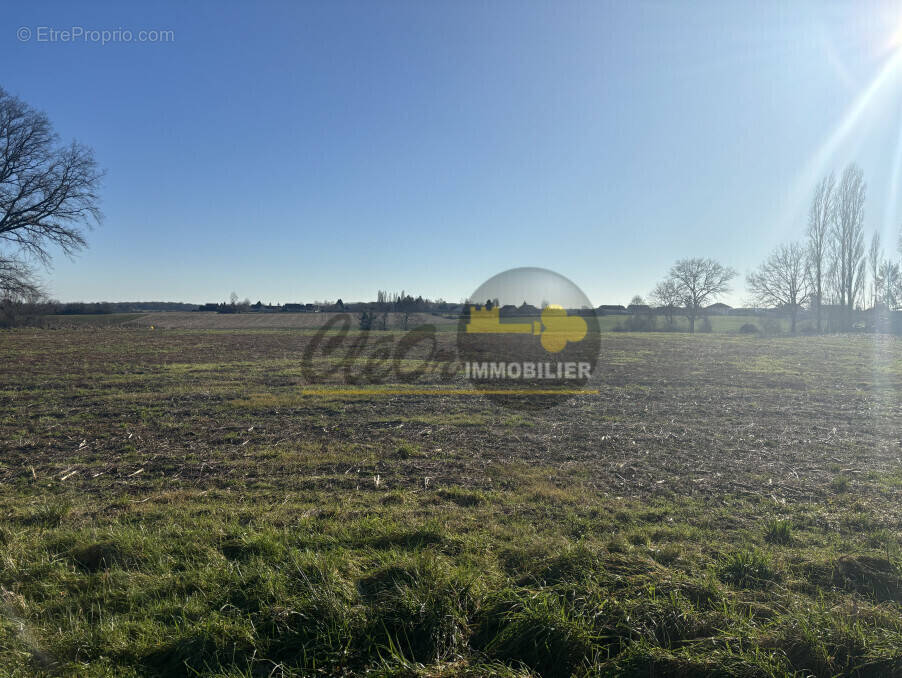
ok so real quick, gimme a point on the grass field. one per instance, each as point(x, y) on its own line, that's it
point(89, 320)
point(180, 320)
point(184, 503)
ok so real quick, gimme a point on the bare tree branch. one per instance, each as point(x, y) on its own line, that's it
point(875, 257)
point(48, 194)
point(697, 282)
point(820, 216)
point(847, 236)
point(666, 295)
point(782, 280)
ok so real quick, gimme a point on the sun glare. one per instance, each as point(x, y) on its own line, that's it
point(895, 41)
point(881, 91)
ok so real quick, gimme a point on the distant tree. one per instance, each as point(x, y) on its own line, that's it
point(233, 299)
point(782, 280)
point(847, 240)
point(666, 295)
point(373, 320)
point(890, 285)
point(637, 301)
point(820, 217)
point(698, 282)
point(48, 195)
point(365, 320)
point(875, 258)
point(382, 300)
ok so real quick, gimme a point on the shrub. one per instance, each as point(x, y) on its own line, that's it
point(749, 328)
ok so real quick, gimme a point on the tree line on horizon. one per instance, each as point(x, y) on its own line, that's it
point(828, 269)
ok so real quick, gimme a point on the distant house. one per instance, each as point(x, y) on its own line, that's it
point(638, 308)
point(508, 311)
point(527, 310)
point(718, 309)
point(300, 308)
point(611, 309)
point(209, 307)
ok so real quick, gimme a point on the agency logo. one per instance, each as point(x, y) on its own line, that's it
point(528, 338)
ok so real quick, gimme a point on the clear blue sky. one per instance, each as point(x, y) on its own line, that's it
point(293, 151)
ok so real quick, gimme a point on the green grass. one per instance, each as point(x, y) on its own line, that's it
point(778, 531)
point(840, 484)
point(209, 582)
point(172, 507)
point(747, 568)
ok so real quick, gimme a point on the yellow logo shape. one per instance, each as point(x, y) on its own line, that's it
point(560, 328)
point(556, 327)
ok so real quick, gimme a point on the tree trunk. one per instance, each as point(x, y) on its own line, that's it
point(692, 324)
point(819, 329)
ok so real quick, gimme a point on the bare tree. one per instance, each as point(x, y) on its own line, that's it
point(890, 285)
point(48, 194)
point(782, 280)
point(20, 294)
point(820, 216)
point(875, 257)
point(666, 295)
point(847, 236)
point(17, 281)
point(699, 281)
